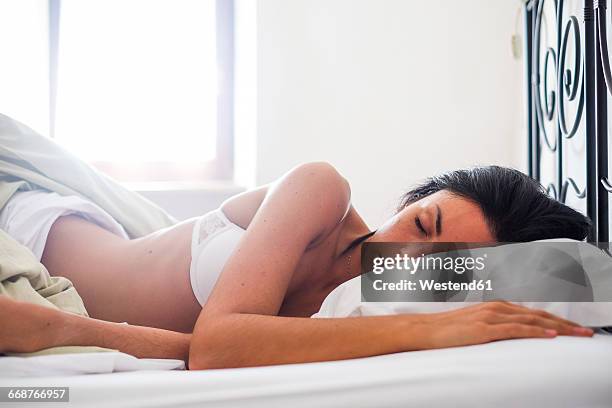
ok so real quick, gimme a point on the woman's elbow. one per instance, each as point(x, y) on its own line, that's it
point(211, 350)
point(210, 360)
point(199, 362)
point(202, 352)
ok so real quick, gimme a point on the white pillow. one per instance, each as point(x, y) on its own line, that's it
point(345, 300)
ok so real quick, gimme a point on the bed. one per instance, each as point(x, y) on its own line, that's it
point(569, 87)
point(563, 372)
point(568, 150)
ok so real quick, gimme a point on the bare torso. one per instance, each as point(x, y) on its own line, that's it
point(146, 281)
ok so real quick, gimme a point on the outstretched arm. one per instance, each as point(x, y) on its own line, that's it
point(26, 327)
point(239, 325)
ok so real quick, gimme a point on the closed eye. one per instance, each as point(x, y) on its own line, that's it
point(419, 226)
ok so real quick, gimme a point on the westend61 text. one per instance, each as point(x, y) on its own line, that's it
point(430, 284)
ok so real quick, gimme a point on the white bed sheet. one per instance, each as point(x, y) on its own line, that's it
point(561, 372)
point(81, 363)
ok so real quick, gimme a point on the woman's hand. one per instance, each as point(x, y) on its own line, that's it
point(26, 327)
point(491, 321)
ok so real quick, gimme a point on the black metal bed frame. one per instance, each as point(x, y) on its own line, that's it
point(570, 70)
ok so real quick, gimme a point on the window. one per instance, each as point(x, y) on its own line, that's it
point(142, 88)
point(24, 73)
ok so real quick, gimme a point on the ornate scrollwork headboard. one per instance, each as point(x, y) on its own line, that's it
point(569, 83)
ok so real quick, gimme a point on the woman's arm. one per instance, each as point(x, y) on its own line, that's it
point(239, 325)
point(27, 327)
point(241, 340)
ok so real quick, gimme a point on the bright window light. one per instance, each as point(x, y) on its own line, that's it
point(137, 80)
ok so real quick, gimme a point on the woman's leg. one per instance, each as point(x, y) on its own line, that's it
point(143, 281)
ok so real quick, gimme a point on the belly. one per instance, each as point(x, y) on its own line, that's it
point(161, 261)
point(143, 281)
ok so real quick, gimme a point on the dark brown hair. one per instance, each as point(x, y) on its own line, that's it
point(516, 207)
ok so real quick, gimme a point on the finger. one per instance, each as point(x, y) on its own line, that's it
point(506, 331)
point(546, 323)
point(512, 308)
point(543, 313)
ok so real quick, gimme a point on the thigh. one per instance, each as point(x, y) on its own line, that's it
point(143, 281)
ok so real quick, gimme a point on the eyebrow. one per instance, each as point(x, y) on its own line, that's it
point(438, 220)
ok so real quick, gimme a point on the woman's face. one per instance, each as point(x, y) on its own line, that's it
point(440, 217)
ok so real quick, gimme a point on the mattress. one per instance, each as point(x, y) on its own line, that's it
point(560, 372)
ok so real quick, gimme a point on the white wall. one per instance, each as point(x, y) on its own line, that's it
point(390, 91)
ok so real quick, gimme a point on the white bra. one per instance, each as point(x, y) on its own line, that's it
point(213, 241)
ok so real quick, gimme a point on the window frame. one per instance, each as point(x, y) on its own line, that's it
point(221, 168)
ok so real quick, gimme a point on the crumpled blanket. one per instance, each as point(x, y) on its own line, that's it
point(31, 161)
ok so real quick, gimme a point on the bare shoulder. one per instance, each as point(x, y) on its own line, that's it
point(322, 177)
point(321, 183)
point(320, 171)
point(317, 182)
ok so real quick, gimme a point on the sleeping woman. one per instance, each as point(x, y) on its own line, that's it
point(236, 286)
